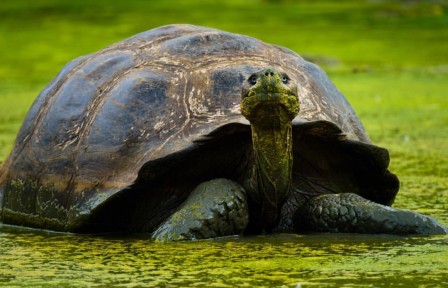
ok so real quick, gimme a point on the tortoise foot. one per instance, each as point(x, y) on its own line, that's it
point(215, 208)
point(350, 213)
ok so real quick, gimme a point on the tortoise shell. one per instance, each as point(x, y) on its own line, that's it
point(106, 116)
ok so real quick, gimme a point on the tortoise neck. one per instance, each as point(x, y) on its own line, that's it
point(272, 168)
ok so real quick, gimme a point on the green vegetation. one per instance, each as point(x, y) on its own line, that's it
point(42, 259)
point(388, 57)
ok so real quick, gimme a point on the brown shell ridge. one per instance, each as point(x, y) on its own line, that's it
point(54, 93)
point(144, 43)
point(186, 122)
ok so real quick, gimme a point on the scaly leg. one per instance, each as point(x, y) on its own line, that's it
point(350, 213)
point(215, 208)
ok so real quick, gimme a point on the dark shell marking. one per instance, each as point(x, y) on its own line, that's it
point(106, 115)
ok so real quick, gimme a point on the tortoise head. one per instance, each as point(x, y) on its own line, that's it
point(269, 98)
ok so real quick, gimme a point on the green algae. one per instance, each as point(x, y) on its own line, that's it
point(50, 259)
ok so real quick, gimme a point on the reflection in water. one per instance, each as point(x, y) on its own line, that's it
point(34, 258)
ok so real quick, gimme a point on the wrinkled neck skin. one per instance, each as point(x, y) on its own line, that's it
point(272, 168)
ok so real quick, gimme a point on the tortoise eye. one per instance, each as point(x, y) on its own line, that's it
point(253, 79)
point(285, 79)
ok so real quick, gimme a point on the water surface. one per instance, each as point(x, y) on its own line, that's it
point(39, 258)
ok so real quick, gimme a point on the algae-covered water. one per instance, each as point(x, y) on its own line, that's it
point(44, 259)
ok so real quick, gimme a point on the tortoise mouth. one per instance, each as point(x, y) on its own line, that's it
point(269, 104)
point(270, 94)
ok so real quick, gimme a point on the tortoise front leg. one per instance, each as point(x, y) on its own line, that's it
point(215, 208)
point(350, 213)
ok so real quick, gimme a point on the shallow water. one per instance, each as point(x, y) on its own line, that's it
point(39, 258)
point(34, 258)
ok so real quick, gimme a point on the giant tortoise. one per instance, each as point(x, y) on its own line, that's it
point(188, 132)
